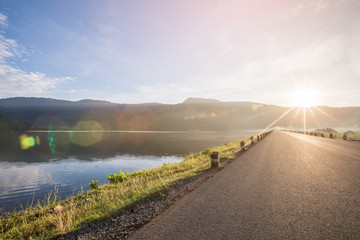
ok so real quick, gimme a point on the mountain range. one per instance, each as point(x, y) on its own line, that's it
point(194, 114)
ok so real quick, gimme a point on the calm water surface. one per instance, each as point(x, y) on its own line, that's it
point(33, 163)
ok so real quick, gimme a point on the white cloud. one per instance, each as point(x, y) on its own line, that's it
point(3, 20)
point(17, 82)
point(13, 80)
point(8, 49)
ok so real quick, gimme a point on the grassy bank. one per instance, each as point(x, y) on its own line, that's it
point(350, 135)
point(331, 133)
point(53, 217)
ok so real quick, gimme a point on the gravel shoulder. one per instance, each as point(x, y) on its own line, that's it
point(123, 225)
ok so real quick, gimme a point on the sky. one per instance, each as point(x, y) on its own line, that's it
point(165, 51)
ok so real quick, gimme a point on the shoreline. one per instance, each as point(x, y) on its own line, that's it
point(58, 218)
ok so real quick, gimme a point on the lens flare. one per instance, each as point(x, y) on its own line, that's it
point(27, 142)
point(256, 107)
point(51, 140)
point(93, 133)
point(37, 140)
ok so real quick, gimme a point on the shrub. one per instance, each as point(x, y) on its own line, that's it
point(121, 177)
point(135, 174)
point(112, 178)
point(94, 185)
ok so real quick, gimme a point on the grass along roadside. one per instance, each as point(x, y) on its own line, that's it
point(331, 133)
point(349, 135)
point(54, 217)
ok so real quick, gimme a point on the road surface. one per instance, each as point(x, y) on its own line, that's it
point(288, 186)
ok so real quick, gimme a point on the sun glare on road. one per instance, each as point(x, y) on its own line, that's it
point(305, 98)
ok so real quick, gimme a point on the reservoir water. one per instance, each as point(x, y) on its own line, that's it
point(33, 163)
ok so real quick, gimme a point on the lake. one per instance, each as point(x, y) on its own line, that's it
point(33, 163)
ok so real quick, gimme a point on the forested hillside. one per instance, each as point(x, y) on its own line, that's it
point(191, 115)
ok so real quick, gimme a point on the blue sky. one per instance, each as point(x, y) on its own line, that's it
point(166, 51)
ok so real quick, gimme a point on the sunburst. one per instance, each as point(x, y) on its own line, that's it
point(305, 98)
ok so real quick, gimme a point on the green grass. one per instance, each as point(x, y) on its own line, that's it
point(44, 222)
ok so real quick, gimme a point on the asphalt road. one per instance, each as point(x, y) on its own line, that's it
point(288, 186)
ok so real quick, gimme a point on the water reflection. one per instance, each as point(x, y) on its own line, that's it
point(69, 160)
point(19, 181)
point(65, 144)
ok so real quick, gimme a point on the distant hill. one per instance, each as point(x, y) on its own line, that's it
point(192, 114)
point(20, 102)
point(201, 100)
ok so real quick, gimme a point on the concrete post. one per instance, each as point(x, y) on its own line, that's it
point(252, 140)
point(215, 161)
point(242, 145)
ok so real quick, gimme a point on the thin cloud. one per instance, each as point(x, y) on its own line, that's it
point(312, 6)
point(293, 11)
point(17, 82)
point(3, 20)
point(316, 55)
point(8, 49)
point(268, 73)
point(320, 5)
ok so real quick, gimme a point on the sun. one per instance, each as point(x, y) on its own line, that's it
point(305, 98)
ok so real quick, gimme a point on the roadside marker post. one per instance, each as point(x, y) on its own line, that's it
point(215, 161)
point(242, 145)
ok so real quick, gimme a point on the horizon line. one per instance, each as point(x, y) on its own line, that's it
point(161, 103)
